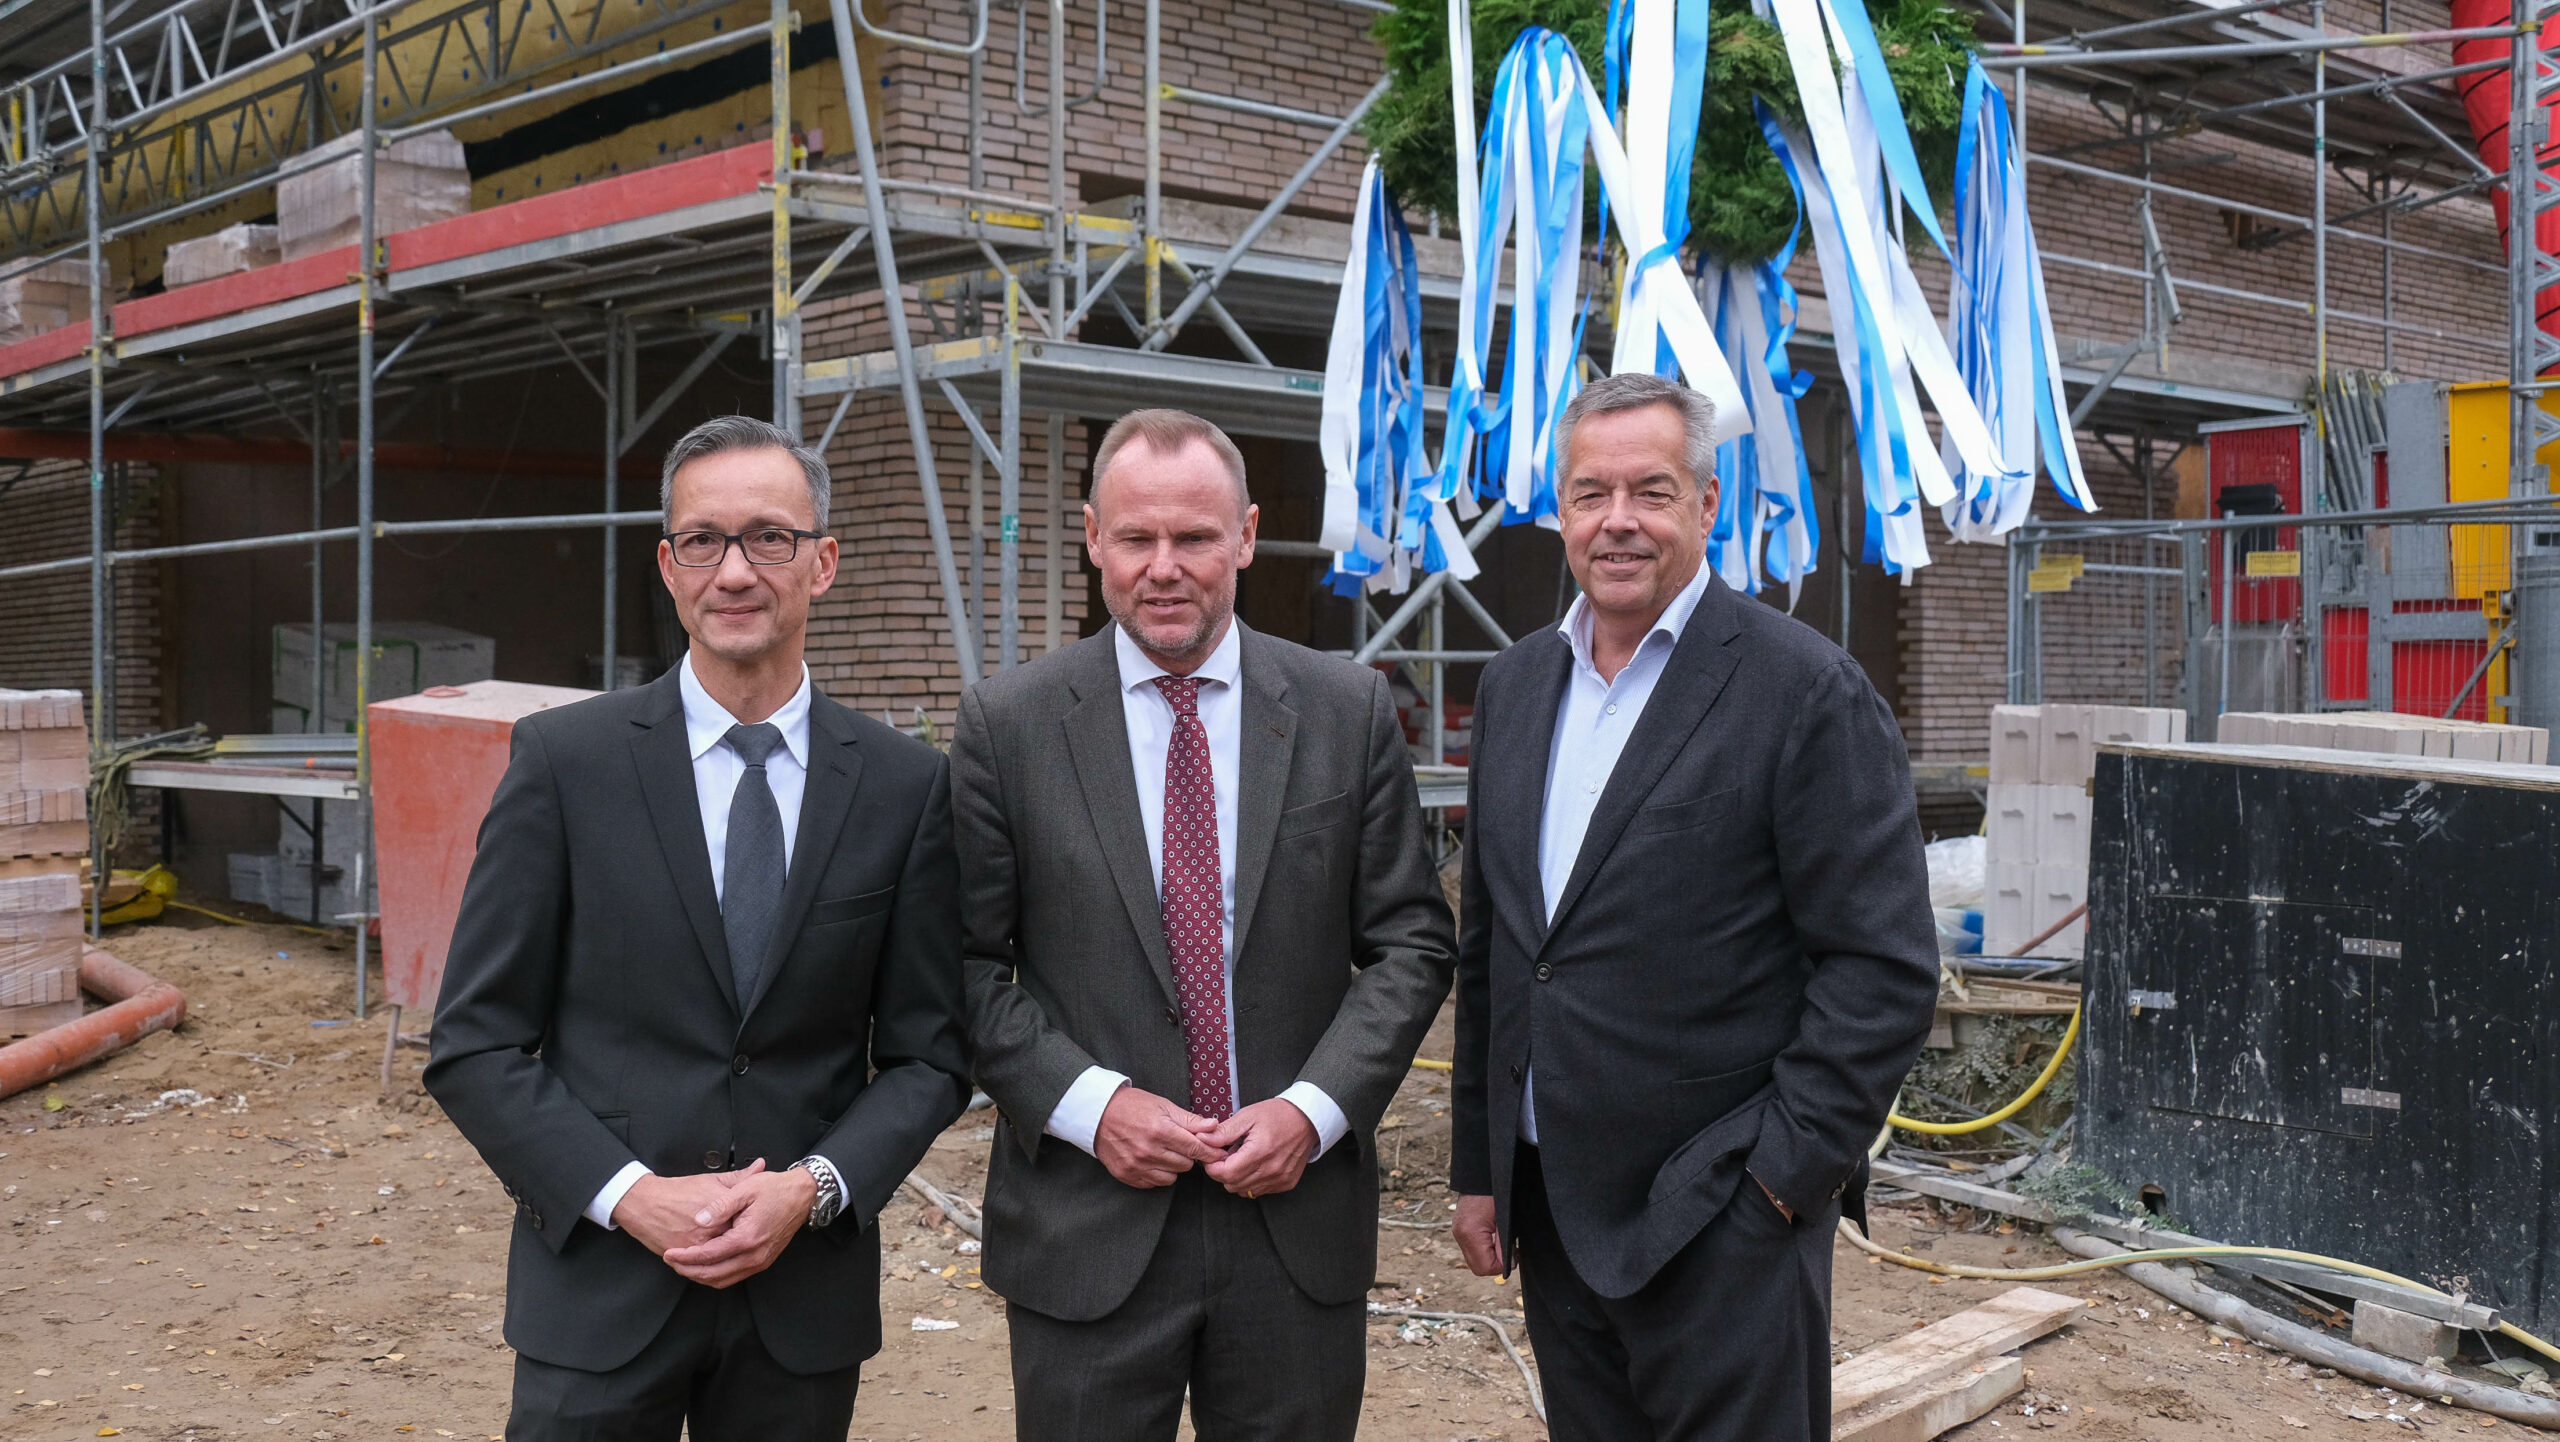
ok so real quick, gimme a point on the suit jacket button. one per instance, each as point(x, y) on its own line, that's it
point(713, 1161)
point(738, 1064)
point(1172, 1017)
point(1545, 972)
point(1515, 1073)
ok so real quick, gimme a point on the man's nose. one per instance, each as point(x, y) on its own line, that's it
point(736, 572)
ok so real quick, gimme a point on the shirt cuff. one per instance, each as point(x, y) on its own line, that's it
point(1078, 1114)
point(1330, 1124)
point(600, 1211)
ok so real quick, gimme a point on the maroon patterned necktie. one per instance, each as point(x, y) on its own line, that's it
point(1194, 899)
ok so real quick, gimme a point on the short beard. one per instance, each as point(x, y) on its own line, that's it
point(1194, 647)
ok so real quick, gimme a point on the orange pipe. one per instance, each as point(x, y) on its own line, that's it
point(143, 1004)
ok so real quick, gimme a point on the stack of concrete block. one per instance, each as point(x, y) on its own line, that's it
point(44, 774)
point(40, 940)
point(228, 251)
point(2037, 857)
point(44, 843)
point(46, 298)
point(415, 181)
point(2390, 732)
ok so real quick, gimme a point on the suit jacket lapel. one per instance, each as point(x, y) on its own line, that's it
point(1517, 785)
point(1266, 741)
point(665, 763)
point(826, 803)
point(1098, 745)
point(1692, 678)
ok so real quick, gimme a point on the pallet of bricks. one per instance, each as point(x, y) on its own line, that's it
point(2036, 850)
point(2391, 732)
point(44, 844)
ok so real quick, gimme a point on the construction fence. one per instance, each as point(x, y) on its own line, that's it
point(2362, 611)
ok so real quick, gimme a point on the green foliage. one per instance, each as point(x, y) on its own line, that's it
point(1740, 207)
point(2001, 1056)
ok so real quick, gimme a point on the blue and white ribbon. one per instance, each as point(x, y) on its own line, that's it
point(1370, 433)
point(2000, 331)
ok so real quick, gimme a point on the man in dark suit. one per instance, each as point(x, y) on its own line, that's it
point(1694, 878)
point(1204, 937)
point(703, 1008)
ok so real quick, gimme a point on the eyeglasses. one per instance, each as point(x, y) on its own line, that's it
point(764, 546)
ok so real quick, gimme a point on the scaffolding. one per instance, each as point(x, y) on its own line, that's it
point(160, 115)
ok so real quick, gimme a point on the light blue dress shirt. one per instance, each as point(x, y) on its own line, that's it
point(1593, 722)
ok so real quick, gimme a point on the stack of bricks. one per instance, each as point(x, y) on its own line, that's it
point(44, 840)
point(2391, 732)
point(2037, 853)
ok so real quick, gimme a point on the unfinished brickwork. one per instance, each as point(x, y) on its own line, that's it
point(44, 620)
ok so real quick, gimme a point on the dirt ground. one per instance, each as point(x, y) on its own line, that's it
point(284, 1254)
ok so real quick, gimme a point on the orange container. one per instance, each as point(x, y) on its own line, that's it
point(437, 757)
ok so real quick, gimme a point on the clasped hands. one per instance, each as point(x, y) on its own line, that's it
point(1147, 1141)
point(718, 1228)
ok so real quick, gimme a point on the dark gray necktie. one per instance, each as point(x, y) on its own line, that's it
point(751, 871)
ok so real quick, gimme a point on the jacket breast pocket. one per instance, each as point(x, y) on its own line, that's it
point(851, 908)
point(1685, 815)
point(1315, 815)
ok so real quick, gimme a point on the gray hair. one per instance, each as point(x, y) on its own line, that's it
point(1633, 390)
point(745, 433)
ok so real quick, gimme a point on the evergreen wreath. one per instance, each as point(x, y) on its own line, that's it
point(1740, 207)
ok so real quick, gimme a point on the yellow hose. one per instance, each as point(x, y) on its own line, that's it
point(1878, 1250)
point(1427, 1064)
point(2034, 1089)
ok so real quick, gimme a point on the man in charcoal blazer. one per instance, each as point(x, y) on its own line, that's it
point(1697, 958)
point(703, 1007)
point(1204, 937)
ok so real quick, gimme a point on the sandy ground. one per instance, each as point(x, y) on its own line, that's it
point(295, 1257)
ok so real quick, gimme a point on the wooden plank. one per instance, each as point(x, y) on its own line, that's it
point(1940, 1406)
point(1977, 1334)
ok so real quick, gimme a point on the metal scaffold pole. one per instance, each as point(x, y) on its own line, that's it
point(102, 727)
point(615, 383)
point(786, 311)
point(367, 243)
point(2530, 352)
point(893, 307)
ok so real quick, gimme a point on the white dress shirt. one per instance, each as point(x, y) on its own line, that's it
point(1593, 721)
point(1078, 1114)
point(717, 767)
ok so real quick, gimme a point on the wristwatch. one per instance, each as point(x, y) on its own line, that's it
point(829, 1203)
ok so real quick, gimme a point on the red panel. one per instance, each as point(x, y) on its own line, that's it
point(2258, 456)
point(2344, 631)
point(2425, 674)
point(437, 757)
point(654, 191)
point(232, 294)
point(60, 343)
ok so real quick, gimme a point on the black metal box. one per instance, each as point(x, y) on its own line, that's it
point(2321, 1004)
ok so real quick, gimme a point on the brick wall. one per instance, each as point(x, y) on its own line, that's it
point(44, 620)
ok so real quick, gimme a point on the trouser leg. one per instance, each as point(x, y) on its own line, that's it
point(643, 1400)
point(1274, 1365)
point(1582, 1363)
point(1119, 1378)
point(744, 1395)
point(1732, 1339)
point(1729, 1342)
